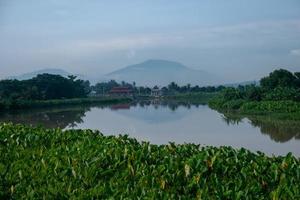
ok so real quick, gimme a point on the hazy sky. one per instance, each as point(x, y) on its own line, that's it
point(237, 39)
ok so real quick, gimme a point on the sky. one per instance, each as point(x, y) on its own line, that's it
point(238, 40)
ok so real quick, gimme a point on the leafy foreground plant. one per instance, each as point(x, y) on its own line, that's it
point(54, 164)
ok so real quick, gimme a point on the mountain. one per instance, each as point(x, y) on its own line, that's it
point(244, 83)
point(43, 71)
point(162, 72)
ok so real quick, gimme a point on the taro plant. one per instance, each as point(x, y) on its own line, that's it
point(38, 163)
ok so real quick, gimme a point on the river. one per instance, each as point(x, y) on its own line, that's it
point(163, 122)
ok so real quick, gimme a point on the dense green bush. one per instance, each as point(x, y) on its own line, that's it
point(252, 93)
point(44, 87)
point(271, 106)
point(281, 93)
point(226, 105)
point(192, 97)
point(280, 78)
point(229, 94)
point(233, 104)
point(228, 99)
point(37, 163)
point(2, 105)
point(19, 104)
point(244, 106)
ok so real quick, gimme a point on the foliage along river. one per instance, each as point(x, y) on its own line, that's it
point(161, 122)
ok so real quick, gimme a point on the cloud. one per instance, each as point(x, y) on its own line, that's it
point(83, 47)
point(295, 52)
point(255, 34)
point(131, 54)
point(259, 35)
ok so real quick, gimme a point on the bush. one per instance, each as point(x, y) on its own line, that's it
point(281, 93)
point(37, 163)
point(20, 104)
point(271, 106)
point(2, 105)
point(253, 93)
point(233, 104)
point(280, 78)
point(229, 94)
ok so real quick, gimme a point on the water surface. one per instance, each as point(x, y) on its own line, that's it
point(163, 122)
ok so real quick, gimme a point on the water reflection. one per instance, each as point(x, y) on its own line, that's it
point(69, 116)
point(172, 105)
point(161, 112)
point(49, 118)
point(279, 130)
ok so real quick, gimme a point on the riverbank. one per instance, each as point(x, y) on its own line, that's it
point(192, 97)
point(200, 98)
point(21, 104)
point(51, 163)
point(257, 107)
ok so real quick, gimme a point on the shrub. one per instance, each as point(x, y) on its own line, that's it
point(2, 105)
point(37, 163)
point(233, 104)
point(271, 106)
point(231, 94)
point(281, 93)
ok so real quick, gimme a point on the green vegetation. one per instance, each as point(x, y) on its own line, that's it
point(278, 92)
point(170, 90)
point(192, 97)
point(174, 89)
point(44, 87)
point(271, 106)
point(20, 104)
point(49, 90)
point(104, 88)
point(259, 107)
point(41, 163)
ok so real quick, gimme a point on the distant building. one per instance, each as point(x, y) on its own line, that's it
point(156, 92)
point(121, 91)
point(93, 93)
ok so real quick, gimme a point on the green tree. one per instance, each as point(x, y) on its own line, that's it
point(279, 78)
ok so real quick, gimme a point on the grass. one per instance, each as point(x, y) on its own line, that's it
point(256, 107)
point(271, 106)
point(193, 97)
point(37, 163)
point(20, 104)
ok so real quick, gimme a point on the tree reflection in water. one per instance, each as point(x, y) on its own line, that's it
point(49, 118)
point(278, 128)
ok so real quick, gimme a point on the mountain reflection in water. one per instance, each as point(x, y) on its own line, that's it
point(153, 112)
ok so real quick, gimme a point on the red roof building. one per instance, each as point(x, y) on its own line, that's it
point(121, 91)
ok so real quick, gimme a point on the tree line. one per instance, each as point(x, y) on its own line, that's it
point(279, 85)
point(44, 87)
point(49, 86)
point(279, 92)
point(171, 89)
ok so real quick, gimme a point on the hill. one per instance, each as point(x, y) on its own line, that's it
point(162, 72)
point(54, 71)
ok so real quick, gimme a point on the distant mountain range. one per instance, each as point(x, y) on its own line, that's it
point(242, 83)
point(54, 71)
point(162, 72)
point(148, 73)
